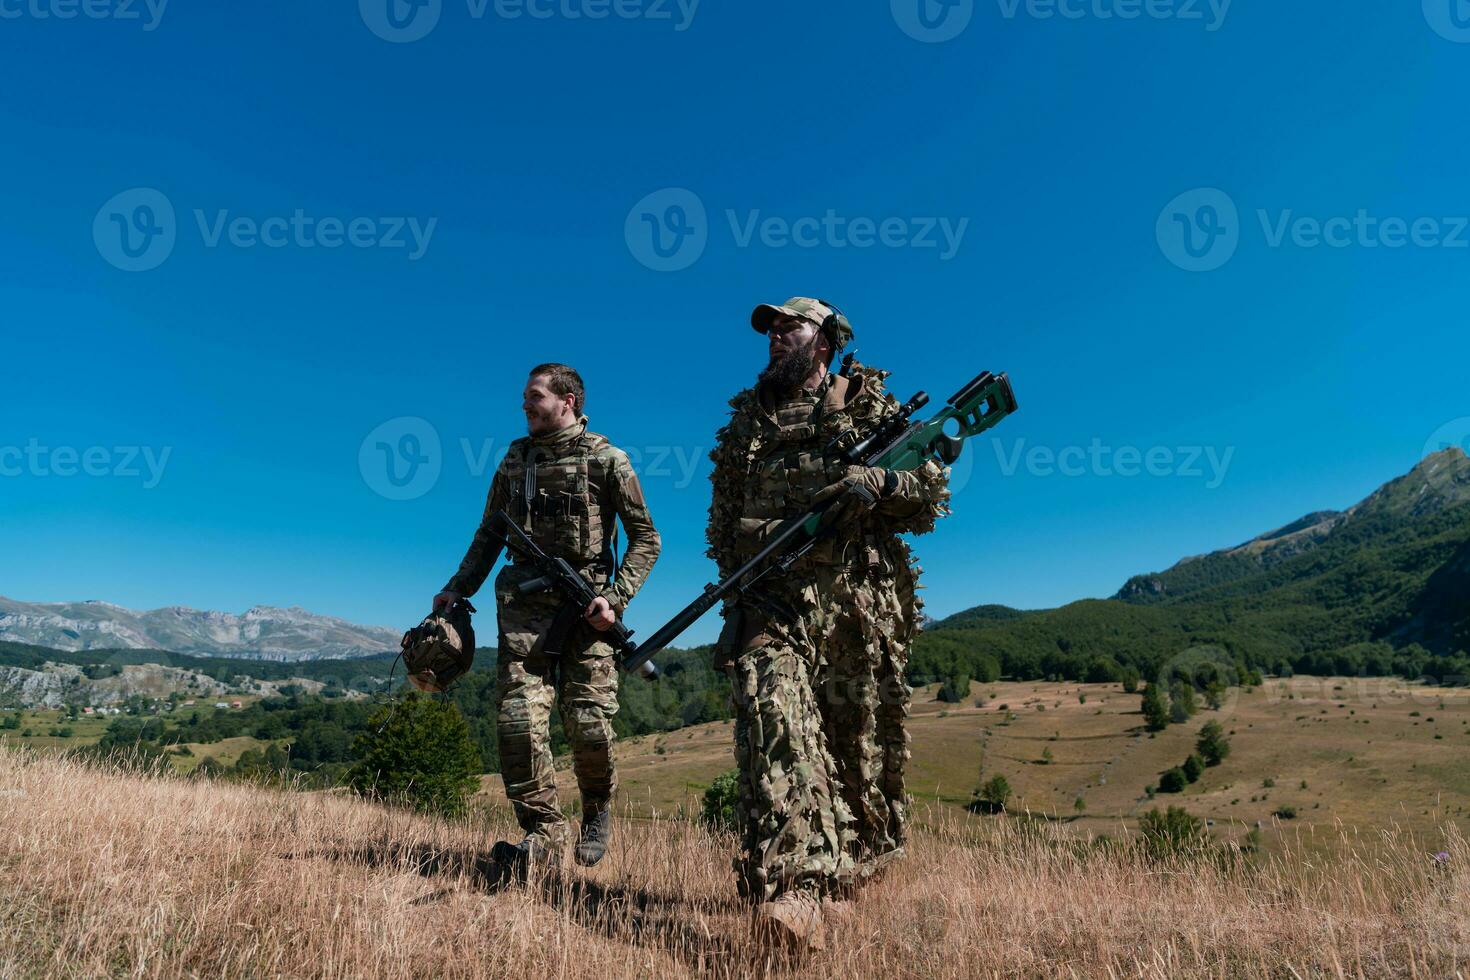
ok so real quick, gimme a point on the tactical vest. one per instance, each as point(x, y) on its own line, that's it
point(790, 462)
point(561, 494)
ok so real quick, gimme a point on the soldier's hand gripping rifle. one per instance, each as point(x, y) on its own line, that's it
point(557, 575)
point(896, 443)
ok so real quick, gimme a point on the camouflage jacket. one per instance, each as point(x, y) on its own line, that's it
point(566, 489)
point(769, 460)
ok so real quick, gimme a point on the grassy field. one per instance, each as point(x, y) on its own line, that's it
point(108, 874)
point(86, 730)
point(1359, 752)
point(1366, 753)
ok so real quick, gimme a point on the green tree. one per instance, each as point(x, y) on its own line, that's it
point(1215, 695)
point(1155, 708)
point(956, 687)
point(1130, 680)
point(1173, 781)
point(1183, 702)
point(1193, 767)
point(1212, 744)
point(417, 754)
point(1172, 832)
point(992, 795)
point(720, 801)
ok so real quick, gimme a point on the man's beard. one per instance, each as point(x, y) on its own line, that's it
point(787, 371)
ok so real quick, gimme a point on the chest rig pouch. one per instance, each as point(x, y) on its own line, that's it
point(560, 495)
point(790, 464)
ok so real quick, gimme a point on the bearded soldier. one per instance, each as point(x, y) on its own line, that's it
point(566, 486)
point(816, 655)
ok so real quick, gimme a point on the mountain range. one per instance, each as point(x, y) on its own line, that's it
point(260, 633)
point(1381, 586)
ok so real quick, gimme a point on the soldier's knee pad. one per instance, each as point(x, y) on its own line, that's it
point(589, 725)
point(514, 720)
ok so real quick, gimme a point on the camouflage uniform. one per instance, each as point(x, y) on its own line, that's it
point(565, 488)
point(816, 657)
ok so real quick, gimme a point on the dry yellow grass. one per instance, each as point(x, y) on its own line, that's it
point(104, 873)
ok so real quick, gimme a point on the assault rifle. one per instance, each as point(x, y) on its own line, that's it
point(895, 443)
point(557, 574)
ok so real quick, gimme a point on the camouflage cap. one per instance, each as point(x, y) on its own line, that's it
point(804, 308)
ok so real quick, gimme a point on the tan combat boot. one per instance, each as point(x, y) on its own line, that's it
point(793, 919)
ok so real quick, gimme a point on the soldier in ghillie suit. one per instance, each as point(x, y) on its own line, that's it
point(816, 656)
point(566, 486)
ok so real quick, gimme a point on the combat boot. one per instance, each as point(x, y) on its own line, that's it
point(795, 920)
point(596, 830)
point(517, 862)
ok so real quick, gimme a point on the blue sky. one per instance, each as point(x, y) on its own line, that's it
point(829, 149)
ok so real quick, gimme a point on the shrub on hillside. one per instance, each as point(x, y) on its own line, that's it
point(1173, 781)
point(720, 802)
point(1212, 745)
point(417, 754)
point(991, 796)
point(1155, 708)
point(1172, 832)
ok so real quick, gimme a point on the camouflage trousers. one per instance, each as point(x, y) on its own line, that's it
point(580, 679)
point(820, 743)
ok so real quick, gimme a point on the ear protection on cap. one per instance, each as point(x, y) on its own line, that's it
point(834, 323)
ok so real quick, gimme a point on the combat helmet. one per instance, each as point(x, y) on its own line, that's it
point(440, 650)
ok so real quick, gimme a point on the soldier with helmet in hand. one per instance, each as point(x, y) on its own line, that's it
point(568, 487)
